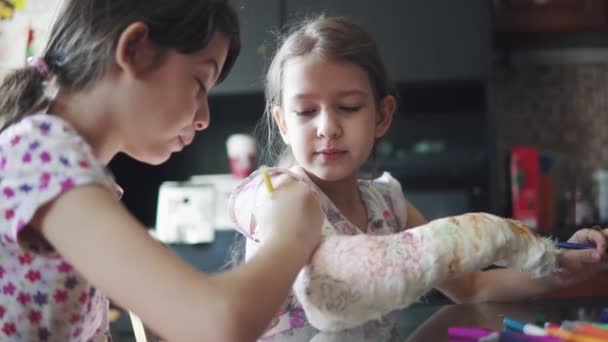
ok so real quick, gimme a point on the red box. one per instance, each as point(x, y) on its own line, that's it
point(525, 192)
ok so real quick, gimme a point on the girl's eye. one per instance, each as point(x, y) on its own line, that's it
point(304, 112)
point(350, 108)
point(201, 87)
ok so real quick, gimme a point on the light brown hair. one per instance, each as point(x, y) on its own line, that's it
point(334, 38)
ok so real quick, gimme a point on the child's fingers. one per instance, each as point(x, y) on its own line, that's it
point(593, 236)
point(597, 237)
point(578, 259)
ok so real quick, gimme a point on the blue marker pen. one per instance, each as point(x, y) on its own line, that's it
point(522, 327)
point(604, 316)
point(570, 245)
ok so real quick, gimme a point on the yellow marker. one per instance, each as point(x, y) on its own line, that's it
point(266, 178)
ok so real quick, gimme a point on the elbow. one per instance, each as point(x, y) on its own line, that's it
point(465, 298)
point(228, 323)
point(237, 324)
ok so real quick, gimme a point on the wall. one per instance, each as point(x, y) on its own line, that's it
point(563, 109)
point(37, 15)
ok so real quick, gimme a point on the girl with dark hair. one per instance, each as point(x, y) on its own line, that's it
point(125, 76)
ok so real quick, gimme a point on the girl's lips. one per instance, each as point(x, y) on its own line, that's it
point(183, 141)
point(331, 154)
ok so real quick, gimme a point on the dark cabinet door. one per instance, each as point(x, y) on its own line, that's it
point(550, 15)
point(420, 39)
point(258, 18)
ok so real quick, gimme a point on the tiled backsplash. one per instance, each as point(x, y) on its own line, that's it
point(562, 109)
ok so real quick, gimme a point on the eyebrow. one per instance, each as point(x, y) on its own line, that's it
point(344, 93)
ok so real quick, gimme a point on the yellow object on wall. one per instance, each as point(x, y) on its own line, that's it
point(19, 4)
point(6, 10)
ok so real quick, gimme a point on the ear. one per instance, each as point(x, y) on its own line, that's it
point(135, 53)
point(387, 109)
point(279, 119)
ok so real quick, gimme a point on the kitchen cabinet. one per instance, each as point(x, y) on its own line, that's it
point(420, 40)
point(258, 20)
point(550, 15)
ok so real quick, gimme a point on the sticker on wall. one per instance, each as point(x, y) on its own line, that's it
point(7, 9)
point(14, 35)
point(19, 4)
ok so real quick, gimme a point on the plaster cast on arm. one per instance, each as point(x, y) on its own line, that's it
point(353, 279)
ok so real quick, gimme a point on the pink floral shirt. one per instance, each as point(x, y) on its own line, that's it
point(42, 297)
point(385, 204)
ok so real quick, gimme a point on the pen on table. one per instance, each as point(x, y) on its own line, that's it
point(572, 336)
point(551, 325)
point(604, 316)
point(585, 328)
point(266, 178)
point(467, 333)
point(523, 327)
point(511, 336)
point(600, 325)
point(572, 245)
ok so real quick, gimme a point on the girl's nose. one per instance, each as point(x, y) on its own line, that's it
point(202, 117)
point(328, 127)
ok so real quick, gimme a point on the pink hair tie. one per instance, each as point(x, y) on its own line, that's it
point(40, 65)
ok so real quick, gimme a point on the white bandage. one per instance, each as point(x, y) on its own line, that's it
point(353, 279)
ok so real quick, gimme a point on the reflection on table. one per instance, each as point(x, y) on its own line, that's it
point(425, 322)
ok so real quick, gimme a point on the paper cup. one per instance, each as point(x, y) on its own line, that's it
point(241, 154)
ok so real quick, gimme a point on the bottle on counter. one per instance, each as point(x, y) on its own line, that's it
point(583, 210)
point(600, 194)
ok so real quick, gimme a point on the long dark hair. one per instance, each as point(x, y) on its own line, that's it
point(83, 40)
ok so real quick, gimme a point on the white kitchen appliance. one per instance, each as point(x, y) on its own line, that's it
point(191, 211)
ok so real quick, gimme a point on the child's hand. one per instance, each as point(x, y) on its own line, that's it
point(291, 214)
point(578, 265)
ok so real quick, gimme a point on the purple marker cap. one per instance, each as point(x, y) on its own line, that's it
point(468, 333)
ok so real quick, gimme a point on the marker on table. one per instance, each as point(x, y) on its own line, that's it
point(572, 336)
point(551, 325)
point(266, 178)
point(522, 327)
point(510, 336)
point(467, 333)
point(585, 328)
point(571, 245)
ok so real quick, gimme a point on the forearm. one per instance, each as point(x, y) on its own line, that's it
point(257, 288)
point(497, 285)
point(501, 285)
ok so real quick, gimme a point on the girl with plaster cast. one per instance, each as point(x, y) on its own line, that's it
point(328, 103)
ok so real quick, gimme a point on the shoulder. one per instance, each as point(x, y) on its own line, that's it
point(42, 134)
point(386, 186)
point(242, 201)
point(386, 182)
point(41, 158)
point(47, 144)
point(386, 192)
point(39, 124)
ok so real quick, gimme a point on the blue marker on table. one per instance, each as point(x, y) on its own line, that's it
point(523, 327)
point(604, 316)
